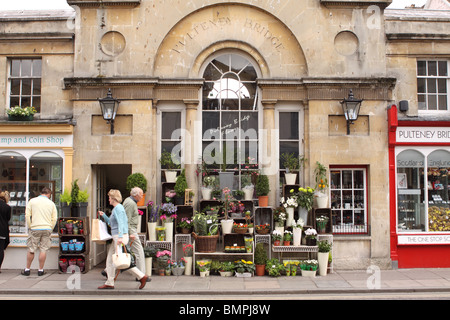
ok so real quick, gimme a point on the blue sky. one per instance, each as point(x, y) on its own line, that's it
point(62, 4)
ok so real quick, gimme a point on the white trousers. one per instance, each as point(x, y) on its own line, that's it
point(111, 270)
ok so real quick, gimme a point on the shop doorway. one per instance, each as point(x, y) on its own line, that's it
point(105, 178)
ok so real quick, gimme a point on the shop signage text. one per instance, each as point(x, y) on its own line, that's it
point(36, 141)
point(424, 239)
point(419, 134)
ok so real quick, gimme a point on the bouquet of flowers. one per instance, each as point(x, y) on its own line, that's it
point(298, 224)
point(188, 250)
point(203, 265)
point(311, 233)
point(153, 212)
point(291, 202)
point(168, 211)
point(322, 222)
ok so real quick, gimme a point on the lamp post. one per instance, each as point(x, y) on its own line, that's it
point(109, 106)
point(351, 107)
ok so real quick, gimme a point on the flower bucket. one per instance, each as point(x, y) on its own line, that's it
point(151, 231)
point(206, 193)
point(169, 231)
point(248, 193)
point(289, 216)
point(322, 257)
point(226, 273)
point(188, 266)
point(227, 226)
point(290, 178)
point(178, 271)
point(322, 201)
point(171, 176)
point(148, 266)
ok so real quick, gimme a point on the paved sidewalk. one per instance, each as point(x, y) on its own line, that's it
point(343, 281)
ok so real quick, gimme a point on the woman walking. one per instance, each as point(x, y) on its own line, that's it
point(5, 216)
point(119, 230)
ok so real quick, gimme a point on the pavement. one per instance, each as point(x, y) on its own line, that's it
point(12, 283)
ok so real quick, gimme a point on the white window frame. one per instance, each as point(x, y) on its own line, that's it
point(427, 111)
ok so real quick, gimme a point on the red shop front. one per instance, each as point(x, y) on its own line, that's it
point(419, 181)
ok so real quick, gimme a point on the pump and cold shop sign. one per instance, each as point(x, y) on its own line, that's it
point(38, 140)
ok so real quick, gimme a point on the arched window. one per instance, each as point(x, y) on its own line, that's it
point(230, 115)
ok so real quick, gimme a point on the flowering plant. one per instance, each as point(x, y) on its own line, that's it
point(19, 111)
point(178, 264)
point(262, 226)
point(311, 233)
point(321, 176)
point(298, 224)
point(239, 225)
point(251, 173)
point(306, 198)
point(140, 212)
point(208, 181)
point(203, 265)
point(170, 195)
point(276, 235)
point(188, 250)
point(164, 254)
point(287, 235)
point(227, 198)
point(168, 212)
point(291, 202)
point(279, 215)
point(309, 265)
point(185, 223)
point(242, 266)
point(152, 211)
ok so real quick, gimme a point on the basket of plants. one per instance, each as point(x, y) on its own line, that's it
point(205, 232)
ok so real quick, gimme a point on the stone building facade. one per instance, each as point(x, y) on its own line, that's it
point(293, 64)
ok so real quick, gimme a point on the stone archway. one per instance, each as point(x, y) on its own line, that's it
point(216, 27)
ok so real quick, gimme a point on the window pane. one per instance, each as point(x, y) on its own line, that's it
point(37, 66)
point(442, 65)
point(37, 87)
point(14, 101)
point(211, 124)
point(421, 85)
point(432, 102)
point(15, 87)
point(421, 68)
point(422, 102)
point(26, 87)
point(26, 68)
point(25, 101)
point(288, 147)
point(431, 85)
point(442, 100)
point(249, 121)
point(37, 103)
point(432, 68)
point(230, 125)
point(289, 127)
point(15, 68)
point(171, 121)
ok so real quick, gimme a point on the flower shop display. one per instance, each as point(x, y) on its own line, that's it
point(188, 250)
point(305, 199)
point(204, 267)
point(276, 237)
point(309, 268)
point(260, 259)
point(310, 236)
point(321, 223)
point(226, 269)
point(249, 178)
point(240, 227)
point(185, 225)
point(274, 267)
point(324, 248)
point(297, 227)
point(244, 268)
point(287, 238)
point(262, 190)
point(19, 113)
point(167, 216)
point(163, 260)
point(320, 173)
point(205, 232)
point(289, 203)
point(262, 228)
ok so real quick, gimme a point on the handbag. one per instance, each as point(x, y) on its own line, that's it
point(99, 232)
point(121, 259)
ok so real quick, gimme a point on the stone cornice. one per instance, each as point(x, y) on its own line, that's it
point(350, 4)
point(104, 3)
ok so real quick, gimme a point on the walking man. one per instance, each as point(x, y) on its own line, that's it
point(131, 209)
point(41, 216)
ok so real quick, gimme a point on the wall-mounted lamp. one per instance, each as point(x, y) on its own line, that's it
point(109, 106)
point(351, 106)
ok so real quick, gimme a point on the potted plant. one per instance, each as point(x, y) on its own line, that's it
point(178, 267)
point(297, 228)
point(66, 204)
point(207, 187)
point(244, 268)
point(163, 258)
point(19, 113)
point(324, 248)
point(287, 238)
point(262, 228)
point(305, 200)
point(227, 224)
point(260, 259)
point(291, 163)
point(79, 200)
point(320, 173)
point(153, 216)
point(169, 162)
point(188, 250)
point(168, 216)
point(226, 269)
point(309, 268)
point(310, 236)
point(321, 223)
point(276, 237)
point(274, 267)
point(262, 190)
point(137, 180)
point(185, 225)
point(180, 187)
point(204, 267)
point(279, 217)
point(205, 232)
point(149, 253)
point(289, 203)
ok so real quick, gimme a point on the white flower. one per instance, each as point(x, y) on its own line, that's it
point(311, 232)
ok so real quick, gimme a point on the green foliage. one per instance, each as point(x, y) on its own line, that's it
point(260, 254)
point(167, 161)
point(290, 162)
point(227, 266)
point(324, 246)
point(150, 251)
point(262, 187)
point(83, 196)
point(136, 180)
point(75, 191)
point(274, 267)
point(66, 197)
point(181, 184)
point(205, 225)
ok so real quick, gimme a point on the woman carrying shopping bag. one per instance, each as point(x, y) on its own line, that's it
point(119, 231)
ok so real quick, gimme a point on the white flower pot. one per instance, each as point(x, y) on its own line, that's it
point(322, 257)
point(227, 226)
point(290, 178)
point(204, 274)
point(297, 236)
point(289, 216)
point(169, 231)
point(151, 231)
point(248, 193)
point(188, 266)
point(206, 193)
point(148, 266)
point(244, 275)
point(171, 176)
point(303, 214)
point(309, 273)
point(226, 273)
point(322, 200)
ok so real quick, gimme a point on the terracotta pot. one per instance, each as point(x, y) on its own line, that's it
point(277, 242)
point(263, 201)
point(286, 243)
point(260, 269)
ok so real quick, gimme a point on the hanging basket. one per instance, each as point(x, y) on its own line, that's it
point(205, 243)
